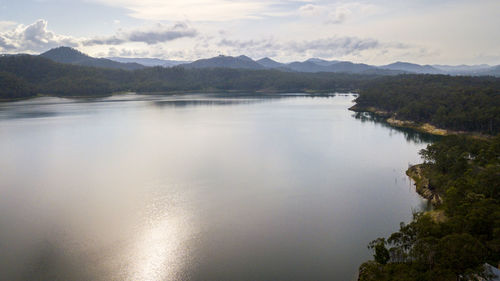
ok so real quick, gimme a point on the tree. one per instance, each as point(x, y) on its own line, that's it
point(461, 254)
point(381, 254)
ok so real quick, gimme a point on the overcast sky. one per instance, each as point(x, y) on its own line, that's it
point(374, 32)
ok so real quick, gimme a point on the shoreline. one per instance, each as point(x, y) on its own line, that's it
point(166, 93)
point(426, 128)
point(422, 184)
point(391, 119)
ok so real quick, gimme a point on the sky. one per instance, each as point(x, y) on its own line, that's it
point(375, 32)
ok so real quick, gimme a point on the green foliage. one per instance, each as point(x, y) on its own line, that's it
point(451, 102)
point(47, 77)
point(13, 87)
point(459, 253)
point(465, 171)
point(381, 253)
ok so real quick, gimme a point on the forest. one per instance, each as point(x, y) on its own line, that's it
point(458, 103)
point(27, 76)
point(451, 242)
point(456, 238)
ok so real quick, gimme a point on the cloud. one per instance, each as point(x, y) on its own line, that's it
point(336, 13)
point(159, 34)
point(32, 38)
point(7, 25)
point(123, 52)
point(311, 10)
point(162, 34)
point(35, 37)
point(193, 10)
point(338, 46)
point(161, 41)
point(245, 44)
point(339, 15)
point(334, 46)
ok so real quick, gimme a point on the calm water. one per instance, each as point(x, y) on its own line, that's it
point(197, 188)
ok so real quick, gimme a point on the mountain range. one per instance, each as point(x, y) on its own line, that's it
point(72, 56)
point(150, 62)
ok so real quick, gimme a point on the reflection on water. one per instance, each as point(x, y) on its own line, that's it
point(208, 102)
point(410, 134)
point(197, 187)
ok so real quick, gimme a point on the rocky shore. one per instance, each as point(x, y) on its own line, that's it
point(423, 185)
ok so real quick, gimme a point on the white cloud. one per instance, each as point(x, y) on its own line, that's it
point(310, 10)
point(161, 41)
point(123, 52)
point(339, 15)
point(7, 25)
point(194, 10)
point(158, 34)
point(32, 38)
point(333, 47)
point(35, 37)
point(336, 13)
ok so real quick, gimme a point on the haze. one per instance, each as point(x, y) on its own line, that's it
point(374, 32)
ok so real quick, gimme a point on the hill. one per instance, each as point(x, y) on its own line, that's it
point(457, 103)
point(72, 56)
point(312, 65)
point(27, 76)
point(315, 65)
point(269, 63)
point(241, 62)
point(150, 62)
point(322, 61)
point(412, 68)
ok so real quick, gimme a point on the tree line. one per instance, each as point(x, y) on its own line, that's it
point(459, 103)
point(456, 239)
point(26, 76)
point(450, 102)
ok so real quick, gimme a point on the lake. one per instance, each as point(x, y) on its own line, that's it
point(198, 187)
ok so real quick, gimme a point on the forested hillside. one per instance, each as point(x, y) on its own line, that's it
point(43, 76)
point(457, 238)
point(452, 102)
point(12, 87)
point(73, 56)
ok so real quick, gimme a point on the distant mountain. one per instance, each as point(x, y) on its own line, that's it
point(312, 65)
point(464, 69)
point(245, 58)
point(492, 71)
point(322, 62)
point(149, 61)
point(306, 66)
point(385, 72)
point(72, 56)
point(242, 62)
point(412, 68)
point(269, 63)
point(346, 66)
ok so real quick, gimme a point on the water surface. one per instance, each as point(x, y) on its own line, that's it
point(197, 187)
